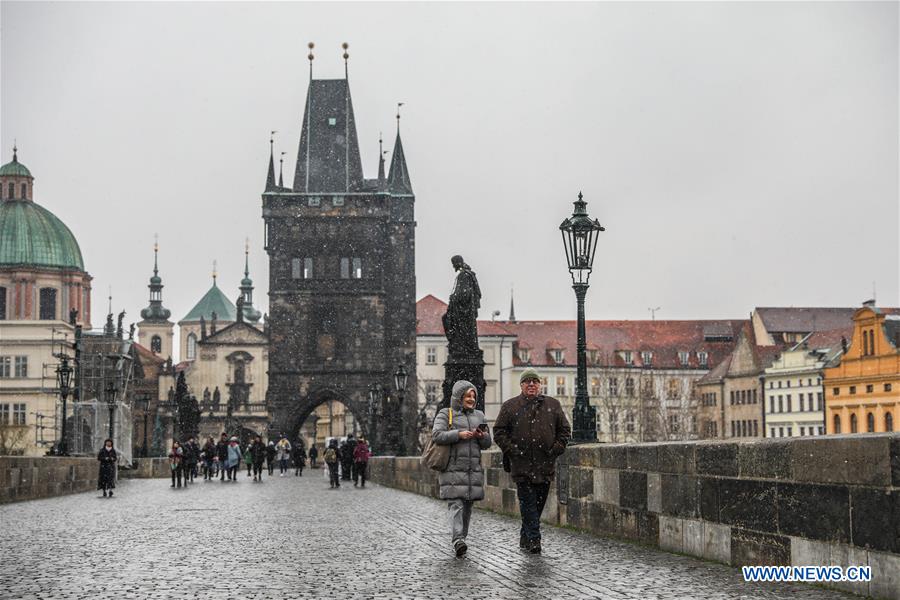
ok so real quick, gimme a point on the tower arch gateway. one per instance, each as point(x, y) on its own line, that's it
point(306, 406)
point(342, 330)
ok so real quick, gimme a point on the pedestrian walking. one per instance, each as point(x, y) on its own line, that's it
point(331, 457)
point(176, 463)
point(283, 456)
point(248, 459)
point(361, 462)
point(465, 428)
point(222, 455)
point(271, 453)
point(209, 457)
point(107, 457)
point(347, 464)
point(532, 430)
point(313, 455)
point(258, 456)
point(234, 459)
point(298, 457)
point(191, 459)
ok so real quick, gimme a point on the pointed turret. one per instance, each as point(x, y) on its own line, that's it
point(382, 181)
point(281, 171)
point(512, 308)
point(246, 309)
point(270, 176)
point(398, 177)
point(155, 311)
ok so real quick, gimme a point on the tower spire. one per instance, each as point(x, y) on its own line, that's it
point(214, 272)
point(15, 149)
point(155, 253)
point(155, 311)
point(270, 176)
point(398, 177)
point(310, 56)
point(512, 307)
point(345, 45)
point(380, 161)
point(245, 307)
point(247, 257)
point(281, 170)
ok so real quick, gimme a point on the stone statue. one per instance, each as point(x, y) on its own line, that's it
point(119, 330)
point(73, 316)
point(217, 398)
point(131, 331)
point(212, 323)
point(110, 328)
point(240, 308)
point(459, 321)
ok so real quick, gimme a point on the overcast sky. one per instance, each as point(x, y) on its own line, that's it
point(739, 155)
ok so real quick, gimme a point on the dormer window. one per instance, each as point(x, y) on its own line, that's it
point(558, 356)
point(627, 357)
point(703, 358)
point(593, 356)
point(683, 358)
point(647, 358)
point(524, 355)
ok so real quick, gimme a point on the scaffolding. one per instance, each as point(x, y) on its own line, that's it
point(90, 420)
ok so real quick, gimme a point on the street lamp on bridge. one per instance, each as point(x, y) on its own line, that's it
point(64, 380)
point(401, 377)
point(579, 233)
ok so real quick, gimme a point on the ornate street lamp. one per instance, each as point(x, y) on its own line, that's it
point(374, 393)
point(579, 233)
point(64, 380)
point(401, 378)
point(111, 404)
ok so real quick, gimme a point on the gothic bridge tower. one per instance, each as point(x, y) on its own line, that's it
point(341, 273)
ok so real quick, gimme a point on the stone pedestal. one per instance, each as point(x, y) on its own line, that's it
point(469, 368)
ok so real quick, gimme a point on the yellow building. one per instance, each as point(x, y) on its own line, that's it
point(862, 393)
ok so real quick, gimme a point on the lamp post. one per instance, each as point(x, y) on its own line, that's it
point(111, 404)
point(372, 410)
point(579, 233)
point(64, 380)
point(400, 380)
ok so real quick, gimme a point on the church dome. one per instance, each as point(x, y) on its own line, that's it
point(14, 168)
point(214, 301)
point(31, 235)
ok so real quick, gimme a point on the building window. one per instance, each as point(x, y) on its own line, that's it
point(888, 422)
point(561, 386)
point(345, 268)
point(627, 358)
point(870, 388)
point(544, 384)
point(524, 355)
point(802, 431)
point(18, 416)
point(629, 422)
point(4, 414)
point(674, 424)
point(48, 304)
point(314, 201)
point(888, 387)
point(156, 344)
point(674, 389)
point(12, 190)
point(21, 366)
point(836, 391)
point(789, 408)
point(357, 268)
point(307, 268)
point(5, 364)
point(558, 356)
point(820, 403)
point(870, 423)
point(771, 404)
point(595, 386)
point(837, 423)
point(703, 358)
point(337, 201)
point(629, 387)
point(780, 403)
point(852, 389)
point(191, 346)
point(683, 357)
point(431, 355)
point(853, 426)
point(731, 400)
point(809, 402)
point(647, 359)
point(790, 431)
point(431, 392)
point(613, 386)
point(2, 303)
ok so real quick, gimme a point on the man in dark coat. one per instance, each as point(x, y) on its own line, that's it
point(257, 457)
point(348, 467)
point(532, 430)
point(191, 459)
point(313, 455)
point(222, 453)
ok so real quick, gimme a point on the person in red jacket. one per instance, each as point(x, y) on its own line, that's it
point(361, 460)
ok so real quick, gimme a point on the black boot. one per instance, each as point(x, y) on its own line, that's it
point(534, 546)
point(523, 541)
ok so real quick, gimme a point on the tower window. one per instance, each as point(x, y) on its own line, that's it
point(332, 121)
point(48, 304)
point(345, 268)
point(357, 268)
point(2, 303)
point(156, 344)
point(307, 268)
point(24, 190)
point(191, 346)
point(11, 191)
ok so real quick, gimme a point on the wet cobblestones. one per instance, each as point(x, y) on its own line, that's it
point(295, 538)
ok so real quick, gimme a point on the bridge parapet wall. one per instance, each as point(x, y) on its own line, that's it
point(30, 478)
point(830, 500)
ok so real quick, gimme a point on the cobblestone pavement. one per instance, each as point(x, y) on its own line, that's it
point(295, 538)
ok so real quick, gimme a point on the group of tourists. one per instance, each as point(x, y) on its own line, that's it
point(346, 461)
point(531, 430)
point(223, 459)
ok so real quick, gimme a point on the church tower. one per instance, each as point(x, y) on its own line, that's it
point(155, 331)
point(341, 273)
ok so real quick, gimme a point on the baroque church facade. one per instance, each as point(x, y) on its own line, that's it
point(341, 275)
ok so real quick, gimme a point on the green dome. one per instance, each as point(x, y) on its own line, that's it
point(31, 235)
point(214, 301)
point(14, 169)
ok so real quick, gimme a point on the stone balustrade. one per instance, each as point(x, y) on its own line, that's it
point(30, 478)
point(830, 500)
